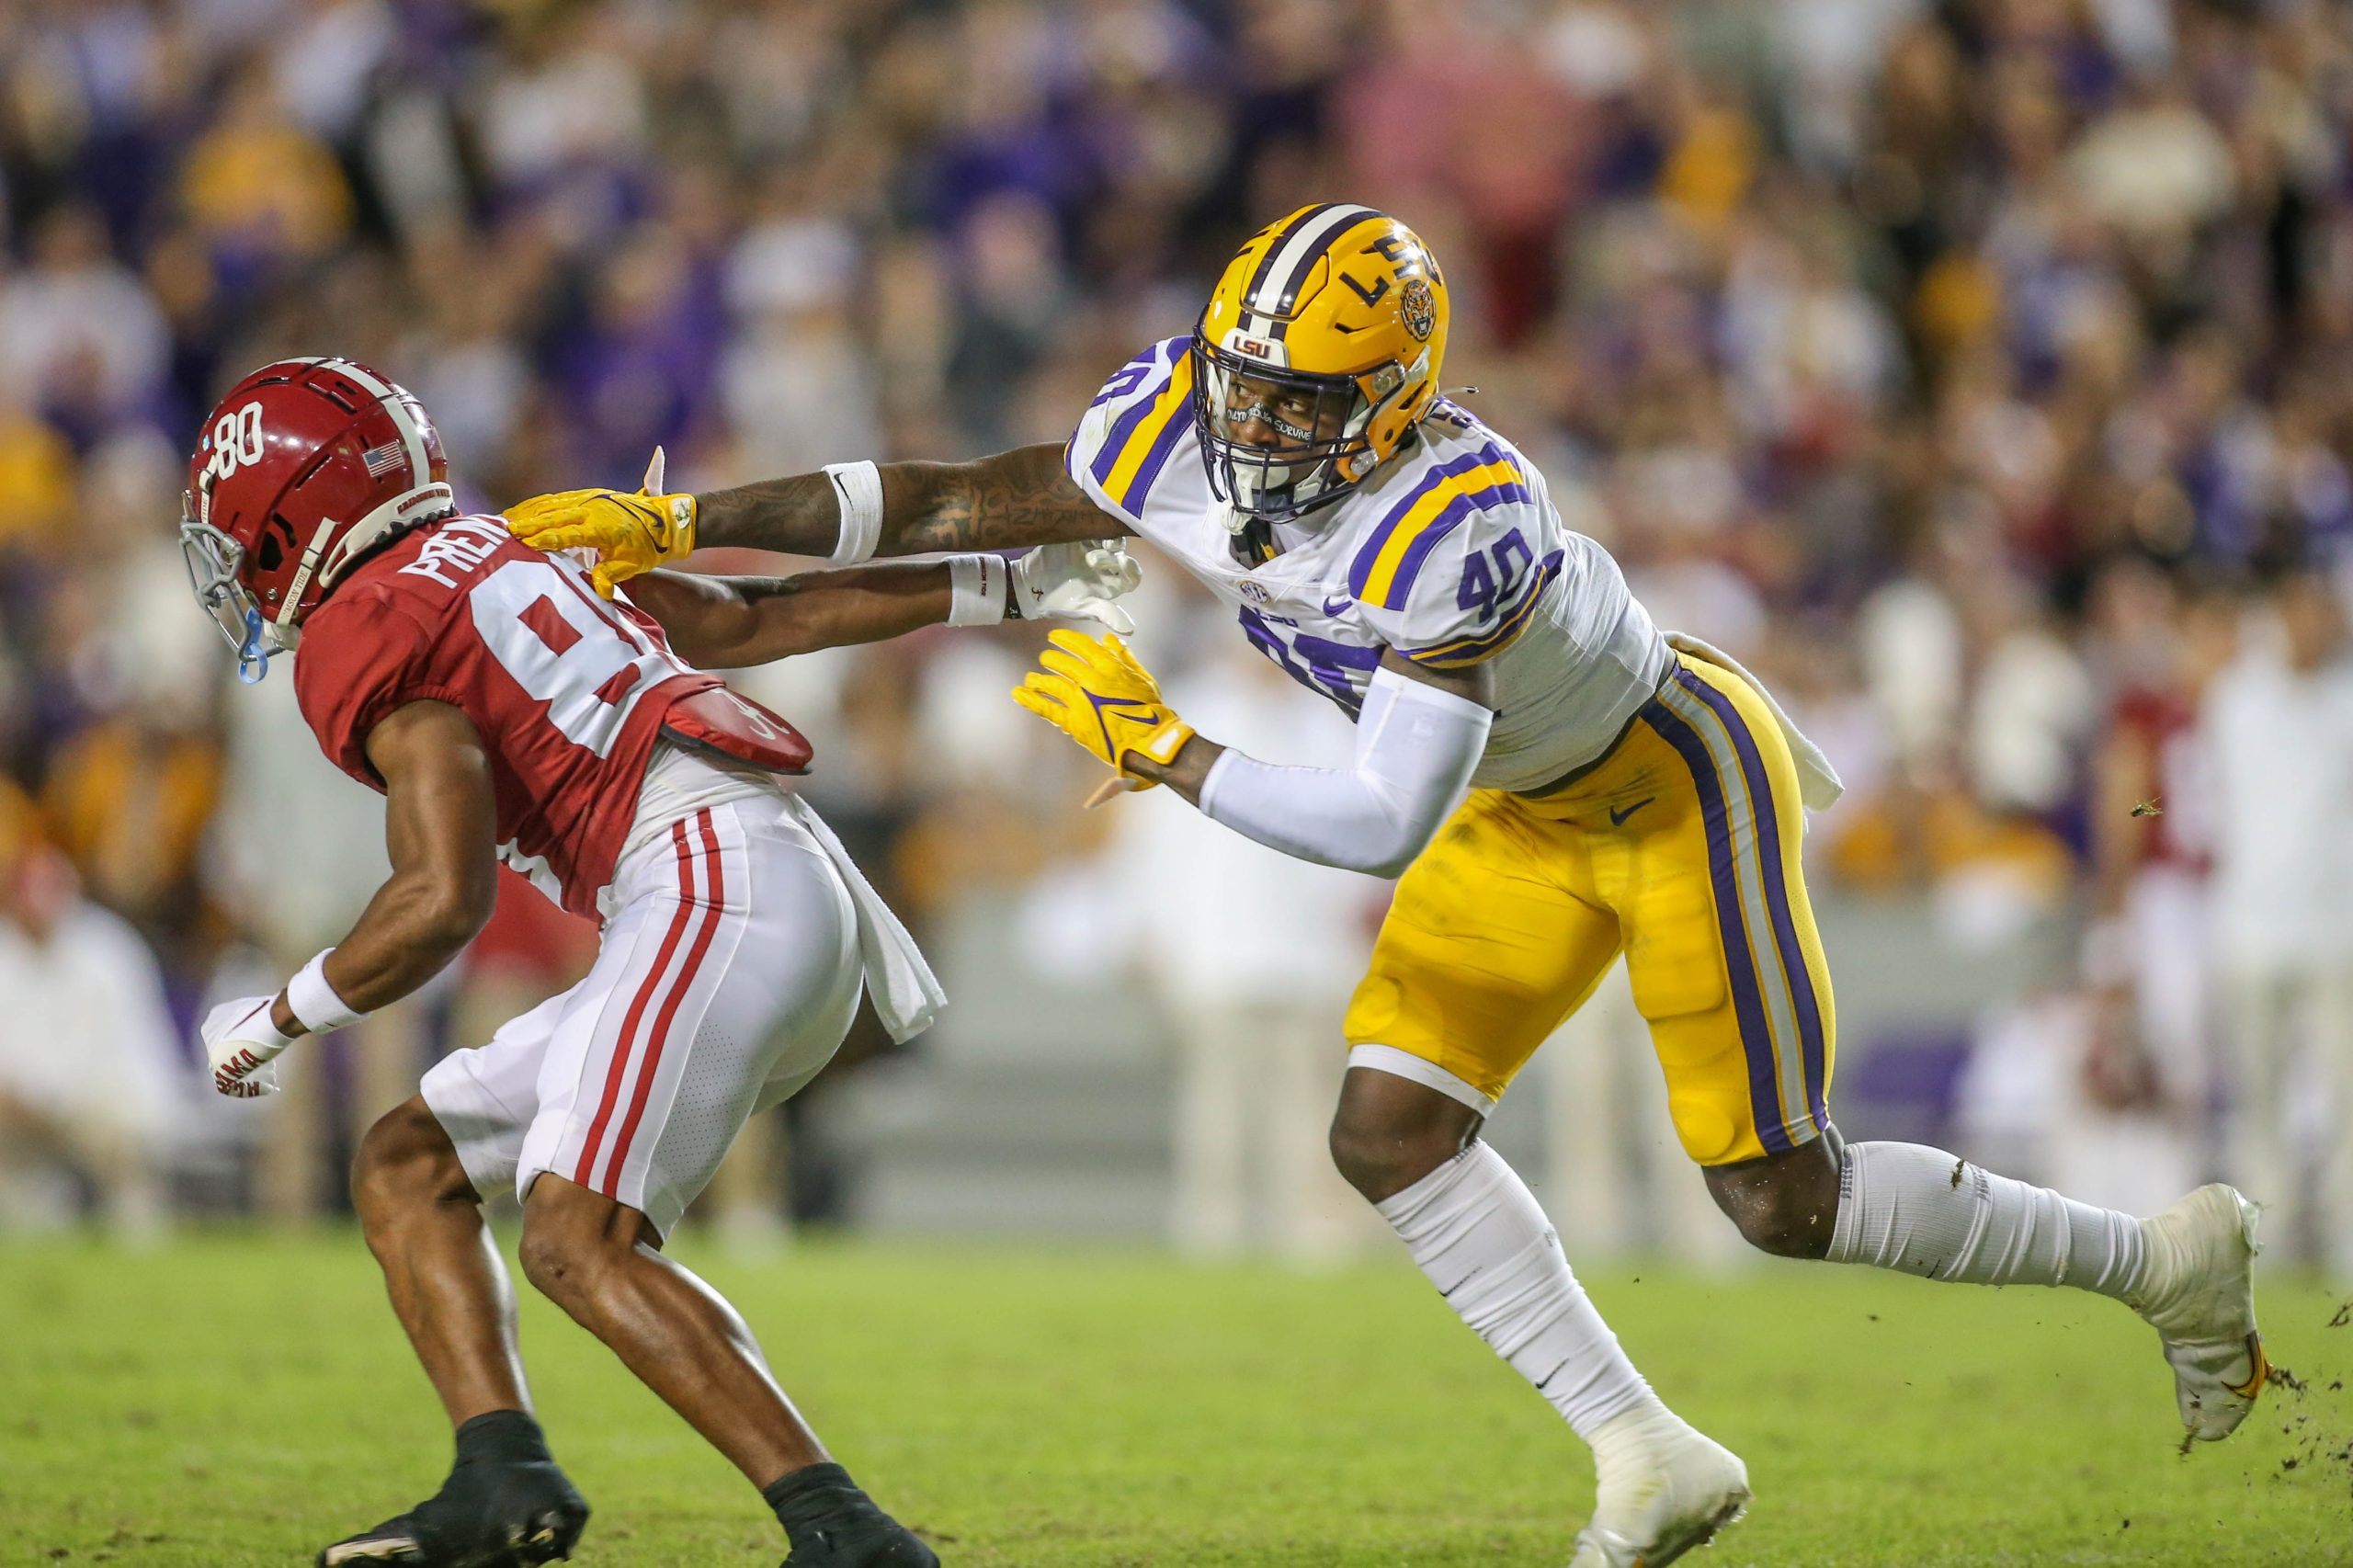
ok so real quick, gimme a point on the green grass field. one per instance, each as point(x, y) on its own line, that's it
point(238, 1401)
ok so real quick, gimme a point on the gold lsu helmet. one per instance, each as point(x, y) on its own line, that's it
point(1317, 354)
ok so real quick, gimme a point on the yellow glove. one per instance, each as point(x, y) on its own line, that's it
point(1094, 691)
point(629, 533)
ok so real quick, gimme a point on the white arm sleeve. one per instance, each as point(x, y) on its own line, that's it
point(1416, 748)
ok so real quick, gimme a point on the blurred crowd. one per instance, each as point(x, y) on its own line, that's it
point(1976, 370)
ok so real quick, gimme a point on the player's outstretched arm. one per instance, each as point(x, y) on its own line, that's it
point(849, 513)
point(440, 829)
point(1419, 739)
point(732, 622)
point(1005, 502)
point(725, 623)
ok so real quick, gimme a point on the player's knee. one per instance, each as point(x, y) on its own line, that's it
point(572, 1236)
point(1783, 1232)
point(405, 1161)
point(1381, 1157)
point(558, 1260)
point(1787, 1205)
point(1389, 1131)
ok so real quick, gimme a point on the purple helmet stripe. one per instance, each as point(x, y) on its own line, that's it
point(1274, 248)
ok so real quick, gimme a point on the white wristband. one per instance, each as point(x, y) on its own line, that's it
point(857, 487)
point(976, 589)
point(314, 1001)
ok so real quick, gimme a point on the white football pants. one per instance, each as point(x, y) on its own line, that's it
point(726, 978)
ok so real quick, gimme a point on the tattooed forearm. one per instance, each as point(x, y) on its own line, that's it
point(732, 622)
point(796, 516)
point(1016, 498)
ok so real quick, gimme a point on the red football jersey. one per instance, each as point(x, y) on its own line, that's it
point(568, 691)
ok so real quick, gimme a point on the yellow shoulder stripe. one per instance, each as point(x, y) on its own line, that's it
point(1148, 444)
point(1382, 583)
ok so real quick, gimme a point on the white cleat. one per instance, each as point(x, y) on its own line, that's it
point(2198, 1291)
point(1662, 1487)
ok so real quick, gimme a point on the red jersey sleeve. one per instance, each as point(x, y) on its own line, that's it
point(360, 658)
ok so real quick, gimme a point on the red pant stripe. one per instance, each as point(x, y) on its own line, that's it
point(714, 899)
point(584, 1173)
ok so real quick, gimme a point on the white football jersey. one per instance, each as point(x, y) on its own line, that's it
point(1451, 554)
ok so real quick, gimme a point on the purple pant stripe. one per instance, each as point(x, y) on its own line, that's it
point(1748, 1004)
point(1777, 891)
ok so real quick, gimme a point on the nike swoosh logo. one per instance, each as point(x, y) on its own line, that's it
point(1127, 708)
point(1617, 818)
point(1335, 607)
point(2261, 1373)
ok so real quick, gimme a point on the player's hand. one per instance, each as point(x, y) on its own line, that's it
point(1077, 581)
point(239, 1043)
point(629, 533)
point(1094, 691)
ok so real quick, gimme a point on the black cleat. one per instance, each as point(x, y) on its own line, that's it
point(485, 1516)
point(832, 1524)
point(872, 1541)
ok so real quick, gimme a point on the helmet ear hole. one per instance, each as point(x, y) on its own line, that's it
point(270, 550)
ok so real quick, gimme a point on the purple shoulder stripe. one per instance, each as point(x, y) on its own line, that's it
point(1360, 569)
point(1178, 426)
point(1161, 363)
point(1457, 511)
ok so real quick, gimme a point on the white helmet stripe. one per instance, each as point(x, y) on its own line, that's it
point(413, 438)
point(1294, 253)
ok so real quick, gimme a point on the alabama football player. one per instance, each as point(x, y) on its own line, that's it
point(508, 712)
point(1552, 779)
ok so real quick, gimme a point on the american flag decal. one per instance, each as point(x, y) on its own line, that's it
point(381, 461)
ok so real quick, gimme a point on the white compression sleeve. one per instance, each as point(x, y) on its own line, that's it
point(1416, 749)
point(1920, 1211)
point(1480, 1237)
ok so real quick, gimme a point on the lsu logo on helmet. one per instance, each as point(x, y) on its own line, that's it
point(1318, 352)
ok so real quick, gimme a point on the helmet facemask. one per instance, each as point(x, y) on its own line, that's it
point(1321, 424)
point(213, 561)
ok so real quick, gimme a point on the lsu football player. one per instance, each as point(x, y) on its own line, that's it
point(1552, 780)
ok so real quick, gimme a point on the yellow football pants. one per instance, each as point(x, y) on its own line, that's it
point(1681, 846)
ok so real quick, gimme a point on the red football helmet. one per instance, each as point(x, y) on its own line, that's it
point(303, 466)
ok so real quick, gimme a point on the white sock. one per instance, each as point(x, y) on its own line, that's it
point(1478, 1234)
point(1920, 1211)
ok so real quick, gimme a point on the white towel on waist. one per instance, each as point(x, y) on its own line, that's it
point(908, 996)
point(1818, 784)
